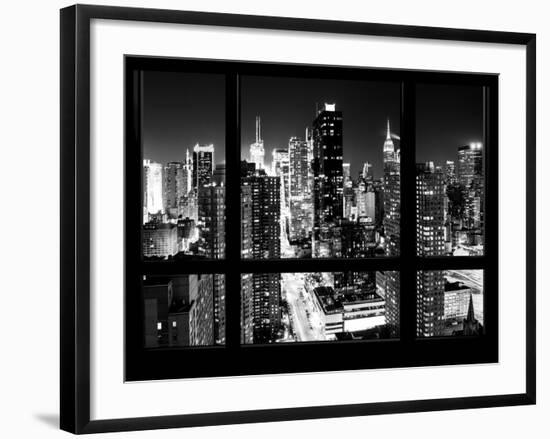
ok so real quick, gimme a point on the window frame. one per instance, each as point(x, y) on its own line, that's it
point(237, 359)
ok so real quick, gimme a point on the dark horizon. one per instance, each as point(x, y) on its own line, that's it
point(182, 109)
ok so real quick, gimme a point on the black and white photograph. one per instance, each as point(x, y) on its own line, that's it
point(286, 217)
point(320, 178)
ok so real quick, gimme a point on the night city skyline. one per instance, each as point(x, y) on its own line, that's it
point(320, 177)
point(183, 109)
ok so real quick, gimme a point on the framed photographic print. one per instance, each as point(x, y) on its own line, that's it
point(312, 215)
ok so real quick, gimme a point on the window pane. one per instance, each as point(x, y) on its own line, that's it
point(449, 303)
point(450, 172)
point(306, 307)
point(320, 167)
point(183, 165)
point(185, 310)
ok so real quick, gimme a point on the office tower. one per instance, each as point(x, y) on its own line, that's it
point(247, 292)
point(430, 241)
point(430, 202)
point(450, 172)
point(187, 205)
point(175, 186)
point(186, 296)
point(350, 206)
point(370, 205)
point(187, 233)
point(159, 240)
point(378, 189)
point(328, 176)
point(177, 311)
point(300, 194)
point(346, 170)
point(470, 163)
point(365, 201)
point(201, 320)
point(203, 165)
point(219, 175)
point(280, 168)
point(367, 171)
point(152, 186)
point(257, 153)
point(265, 243)
point(471, 177)
point(188, 172)
point(157, 297)
point(211, 224)
point(391, 223)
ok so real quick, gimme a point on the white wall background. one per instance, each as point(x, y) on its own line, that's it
point(29, 148)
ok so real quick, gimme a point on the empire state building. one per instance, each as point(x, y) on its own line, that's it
point(392, 219)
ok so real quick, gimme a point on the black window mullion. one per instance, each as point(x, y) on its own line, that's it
point(452, 263)
point(232, 211)
point(319, 265)
point(407, 291)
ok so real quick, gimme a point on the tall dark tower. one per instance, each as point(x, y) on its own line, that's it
point(430, 241)
point(328, 175)
point(211, 222)
point(262, 230)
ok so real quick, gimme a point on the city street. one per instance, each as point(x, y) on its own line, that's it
point(299, 308)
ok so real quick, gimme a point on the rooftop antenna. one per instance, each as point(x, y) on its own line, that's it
point(258, 129)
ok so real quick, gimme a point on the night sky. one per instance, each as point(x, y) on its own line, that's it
point(447, 117)
point(181, 109)
point(287, 106)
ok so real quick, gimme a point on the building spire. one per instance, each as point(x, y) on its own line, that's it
point(388, 144)
point(258, 129)
point(471, 315)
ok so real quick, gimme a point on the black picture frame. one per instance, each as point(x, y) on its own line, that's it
point(75, 217)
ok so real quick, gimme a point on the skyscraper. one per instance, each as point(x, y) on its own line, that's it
point(211, 223)
point(159, 240)
point(152, 185)
point(470, 163)
point(450, 172)
point(280, 168)
point(346, 169)
point(247, 292)
point(367, 170)
point(300, 190)
point(328, 176)
point(177, 311)
point(471, 177)
point(257, 153)
point(175, 186)
point(392, 227)
point(430, 238)
point(392, 195)
point(201, 320)
point(203, 165)
point(265, 239)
